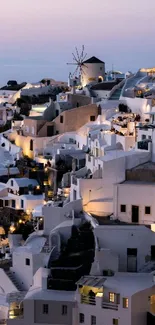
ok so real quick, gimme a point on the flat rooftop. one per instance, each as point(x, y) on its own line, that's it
point(139, 183)
point(106, 221)
point(147, 166)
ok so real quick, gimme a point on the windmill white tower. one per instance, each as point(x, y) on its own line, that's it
point(76, 77)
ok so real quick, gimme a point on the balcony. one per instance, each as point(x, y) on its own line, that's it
point(109, 305)
point(16, 313)
point(90, 300)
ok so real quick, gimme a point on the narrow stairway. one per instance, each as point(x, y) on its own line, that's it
point(14, 281)
point(116, 94)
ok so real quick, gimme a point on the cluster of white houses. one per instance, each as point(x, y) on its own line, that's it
point(94, 260)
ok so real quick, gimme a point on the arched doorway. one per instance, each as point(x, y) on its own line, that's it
point(100, 79)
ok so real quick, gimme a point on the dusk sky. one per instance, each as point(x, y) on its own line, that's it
point(39, 36)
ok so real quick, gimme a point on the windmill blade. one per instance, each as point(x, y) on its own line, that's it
point(84, 65)
point(77, 53)
point(76, 70)
point(82, 53)
point(84, 57)
point(74, 57)
point(83, 72)
point(72, 63)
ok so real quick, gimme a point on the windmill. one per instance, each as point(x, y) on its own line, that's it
point(78, 61)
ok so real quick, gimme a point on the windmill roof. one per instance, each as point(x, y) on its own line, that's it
point(93, 59)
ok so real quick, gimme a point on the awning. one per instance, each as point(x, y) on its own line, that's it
point(92, 281)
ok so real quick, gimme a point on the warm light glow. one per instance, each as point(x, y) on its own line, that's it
point(99, 294)
point(20, 221)
point(38, 187)
point(112, 297)
point(28, 211)
point(12, 229)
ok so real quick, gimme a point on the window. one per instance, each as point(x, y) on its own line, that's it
point(61, 119)
point(45, 308)
point(31, 145)
point(92, 118)
point(13, 204)
point(74, 195)
point(100, 68)
point(149, 137)
point(1, 203)
point(115, 321)
point(11, 182)
point(147, 210)
point(27, 261)
point(143, 136)
point(22, 204)
point(50, 130)
point(64, 310)
point(6, 203)
point(81, 318)
point(125, 303)
point(123, 208)
point(93, 320)
point(111, 297)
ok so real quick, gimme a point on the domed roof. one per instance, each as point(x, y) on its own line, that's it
point(93, 59)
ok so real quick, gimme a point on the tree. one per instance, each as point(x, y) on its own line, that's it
point(123, 108)
point(12, 83)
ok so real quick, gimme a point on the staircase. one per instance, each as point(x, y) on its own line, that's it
point(13, 280)
point(116, 94)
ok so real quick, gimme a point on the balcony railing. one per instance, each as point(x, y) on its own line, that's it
point(16, 313)
point(88, 300)
point(109, 305)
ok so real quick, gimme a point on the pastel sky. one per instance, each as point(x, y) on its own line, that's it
point(39, 36)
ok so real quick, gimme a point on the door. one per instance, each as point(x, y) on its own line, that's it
point(153, 253)
point(131, 259)
point(50, 130)
point(135, 213)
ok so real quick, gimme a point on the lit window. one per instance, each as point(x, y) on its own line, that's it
point(123, 208)
point(111, 297)
point(81, 318)
point(147, 210)
point(45, 308)
point(125, 303)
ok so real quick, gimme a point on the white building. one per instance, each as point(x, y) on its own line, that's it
point(93, 70)
point(21, 194)
point(119, 299)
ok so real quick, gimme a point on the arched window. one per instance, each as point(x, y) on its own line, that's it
point(31, 145)
point(100, 79)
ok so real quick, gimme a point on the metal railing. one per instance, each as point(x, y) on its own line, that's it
point(17, 296)
point(109, 305)
point(88, 300)
point(16, 313)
